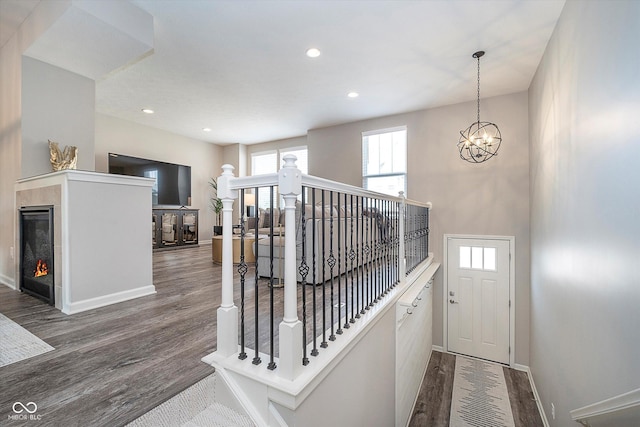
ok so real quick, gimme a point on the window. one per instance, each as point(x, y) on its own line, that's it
point(301, 154)
point(271, 162)
point(262, 163)
point(478, 258)
point(384, 160)
point(153, 173)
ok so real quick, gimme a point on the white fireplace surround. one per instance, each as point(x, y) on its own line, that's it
point(102, 235)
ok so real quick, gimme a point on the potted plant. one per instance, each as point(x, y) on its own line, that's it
point(215, 203)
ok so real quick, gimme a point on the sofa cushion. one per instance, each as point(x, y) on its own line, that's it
point(278, 247)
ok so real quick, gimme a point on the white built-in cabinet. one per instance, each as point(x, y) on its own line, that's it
point(414, 340)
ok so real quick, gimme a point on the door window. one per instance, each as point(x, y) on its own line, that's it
point(478, 258)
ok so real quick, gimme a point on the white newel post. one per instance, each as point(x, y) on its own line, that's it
point(402, 262)
point(290, 329)
point(227, 312)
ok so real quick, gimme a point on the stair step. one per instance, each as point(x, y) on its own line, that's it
point(218, 415)
point(194, 407)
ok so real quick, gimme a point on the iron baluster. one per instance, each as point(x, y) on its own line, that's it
point(272, 363)
point(339, 331)
point(331, 261)
point(367, 253)
point(324, 288)
point(357, 258)
point(304, 270)
point(242, 269)
point(256, 357)
point(346, 266)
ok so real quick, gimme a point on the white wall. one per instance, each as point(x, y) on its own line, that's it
point(585, 205)
point(114, 135)
point(484, 199)
point(361, 388)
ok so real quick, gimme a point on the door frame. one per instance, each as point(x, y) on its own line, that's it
point(512, 289)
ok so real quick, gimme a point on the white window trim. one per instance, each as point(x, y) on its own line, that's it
point(406, 166)
point(385, 130)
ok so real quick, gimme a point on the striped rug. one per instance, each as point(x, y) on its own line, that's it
point(480, 397)
point(16, 343)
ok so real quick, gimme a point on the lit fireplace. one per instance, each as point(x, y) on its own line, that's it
point(36, 252)
point(41, 269)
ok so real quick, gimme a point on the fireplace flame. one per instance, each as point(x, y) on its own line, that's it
point(41, 269)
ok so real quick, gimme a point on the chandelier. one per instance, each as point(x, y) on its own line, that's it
point(480, 141)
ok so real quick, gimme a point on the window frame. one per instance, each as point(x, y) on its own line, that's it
point(279, 153)
point(367, 176)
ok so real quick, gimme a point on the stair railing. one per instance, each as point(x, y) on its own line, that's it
point(347, 248)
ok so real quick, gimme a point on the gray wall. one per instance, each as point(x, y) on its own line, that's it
point(115, 135)
point(57, 105)
point(584, 105)
point(485, 199)
point(11, 123)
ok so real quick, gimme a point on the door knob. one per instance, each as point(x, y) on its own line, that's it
point(453, 302)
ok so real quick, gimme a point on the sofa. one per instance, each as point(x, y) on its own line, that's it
point(314, 235)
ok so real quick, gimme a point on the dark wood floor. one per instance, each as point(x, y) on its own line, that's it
point(434, 401)
point(112, 364)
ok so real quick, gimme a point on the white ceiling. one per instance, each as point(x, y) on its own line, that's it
point(239, 67)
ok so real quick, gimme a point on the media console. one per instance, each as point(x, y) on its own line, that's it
point(174, 228)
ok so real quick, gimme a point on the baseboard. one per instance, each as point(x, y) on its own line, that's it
point(437, 348)
point(91, 303)
point(623, 402)
point(8, 281)
point(536, 396)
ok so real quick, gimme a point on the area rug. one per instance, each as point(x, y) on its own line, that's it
point(480, 397)
point(16, 343)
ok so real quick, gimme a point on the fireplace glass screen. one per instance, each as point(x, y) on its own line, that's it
point(36, 252)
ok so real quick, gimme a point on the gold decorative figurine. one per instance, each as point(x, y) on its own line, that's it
point(61, 160)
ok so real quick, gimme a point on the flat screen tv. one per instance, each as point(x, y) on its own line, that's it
point(173, 182)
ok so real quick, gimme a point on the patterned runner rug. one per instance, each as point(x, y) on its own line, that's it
point(16, 343)
point(480, 397)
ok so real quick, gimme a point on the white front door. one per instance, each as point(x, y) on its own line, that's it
point(478, 297)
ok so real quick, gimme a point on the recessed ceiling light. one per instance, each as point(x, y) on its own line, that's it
point(147, 111)
point(313, 52)
point(206, 129)
point(353, 94)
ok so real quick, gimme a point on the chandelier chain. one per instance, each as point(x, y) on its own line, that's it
point(478, 89)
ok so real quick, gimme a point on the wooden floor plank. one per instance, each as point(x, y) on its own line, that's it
point(523, 403)
point(433, 405)
point(112, 364)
